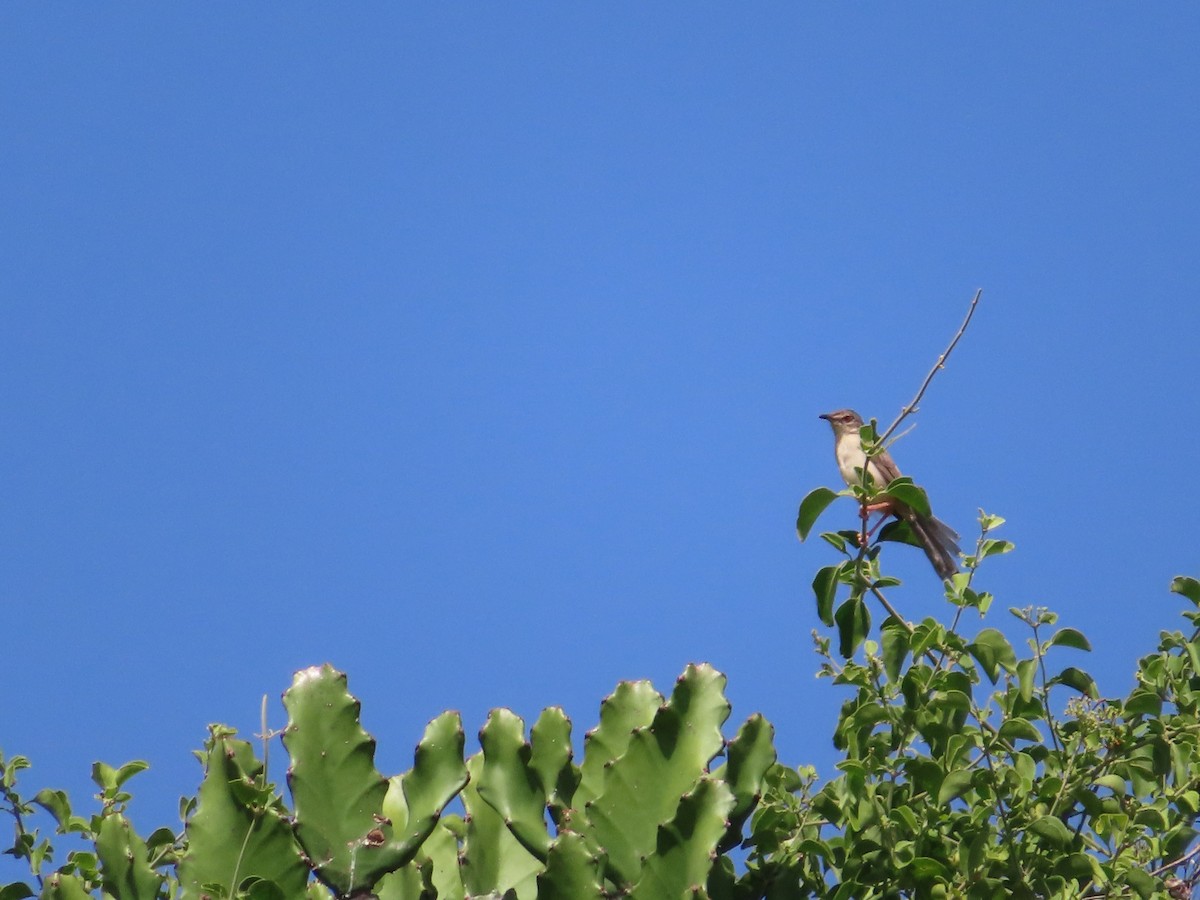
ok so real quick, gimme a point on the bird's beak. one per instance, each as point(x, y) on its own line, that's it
point(824, 416)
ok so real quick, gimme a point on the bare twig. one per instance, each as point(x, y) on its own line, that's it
point(940, 364)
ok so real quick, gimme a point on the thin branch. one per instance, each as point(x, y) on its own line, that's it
point(1179, 862)
point(891, 609)
point(940, 364)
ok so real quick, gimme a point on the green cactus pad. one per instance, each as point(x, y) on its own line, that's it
point(238, 830)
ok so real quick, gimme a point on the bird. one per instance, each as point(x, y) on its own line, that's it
point(937, 539)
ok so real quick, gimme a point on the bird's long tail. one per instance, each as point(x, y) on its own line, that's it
point(938, 540)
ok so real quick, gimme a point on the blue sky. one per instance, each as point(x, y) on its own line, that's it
point(478, 349)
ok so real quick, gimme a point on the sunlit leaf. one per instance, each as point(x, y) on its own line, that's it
point(954, 785)
point(993, 652)
point(1020, 729)
point(904, 491)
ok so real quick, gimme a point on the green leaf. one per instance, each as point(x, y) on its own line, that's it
point(1026, 673)
point(825, 586)
point(896, 639)
point(993, 652)
point(854, 624)
point(926, 868)
point(1020, 729)
point(1078, 679)
point(1069, 637)
point(1114, 783)
point(904, 491)
point(1052, 830)
point(1143, 703)
point(1143, 883)
point(1188, 587)
point(954, 785)
point(835, 539)
point(900, 532)
point(991, 547)
point(811, 508)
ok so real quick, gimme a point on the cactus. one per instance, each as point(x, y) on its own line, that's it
point(124, 861)
point(344, 807)
point(239, 830)
point(644, 814)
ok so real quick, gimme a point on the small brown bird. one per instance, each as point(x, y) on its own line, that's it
point(939, 540)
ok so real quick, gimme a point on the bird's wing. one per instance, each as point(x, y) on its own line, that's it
point(887, 467)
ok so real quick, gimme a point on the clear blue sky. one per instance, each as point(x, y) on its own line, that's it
point(477, 349)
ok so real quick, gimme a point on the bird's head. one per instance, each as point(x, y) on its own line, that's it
point(844, 421)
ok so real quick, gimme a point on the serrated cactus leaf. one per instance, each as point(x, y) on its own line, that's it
point(573, 871)
point(64, 887)
point(336, 790)
point(404, 884)
point(124, 863)
point(663, 761)
point(747, 758)
point(550, 758)
point(632, 705)
point(238, 830)
point(509, 784)
point(687, 845)
point(493, 861)
point(317, 891)
point(414, 801)
point(440, 850)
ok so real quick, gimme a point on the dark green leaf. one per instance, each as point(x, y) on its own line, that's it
point(811, 508)
point(1078, 679)
point(925, 868)
point(1188, 587)
point(1022, 729)
point(1069, 637)
point(1052, 830)
point(835, 539)
point(900, 532)
point(1144, 703)
point(895, 638)
point(1144, 884)
point(854, 623)
point(825, 587)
